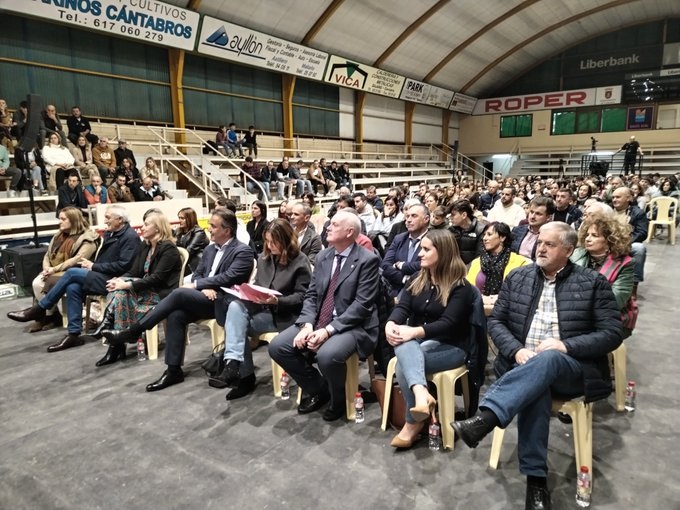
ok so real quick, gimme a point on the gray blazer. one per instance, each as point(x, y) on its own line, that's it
point(355, 296)
point(311, 244)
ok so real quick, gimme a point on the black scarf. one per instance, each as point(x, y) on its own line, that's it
point(493, 267)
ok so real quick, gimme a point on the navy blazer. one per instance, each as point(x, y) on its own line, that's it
point(398, 251)
point(355, 296)
point(235, 268)
point(115, 258)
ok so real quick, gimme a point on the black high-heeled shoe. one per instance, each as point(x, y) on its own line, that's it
point(113, 354)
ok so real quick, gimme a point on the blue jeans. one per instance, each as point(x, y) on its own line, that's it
point(71, 284)
point(253, 187)
point(639, 252)
point(417, 358)
point(526, 391)
point(240, 323)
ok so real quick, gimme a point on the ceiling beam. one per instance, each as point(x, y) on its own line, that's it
point(477, 35)
point(319, 23)
point(411, 28)
point(540, 34)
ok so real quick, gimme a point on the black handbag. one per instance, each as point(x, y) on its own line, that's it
point(214, 364)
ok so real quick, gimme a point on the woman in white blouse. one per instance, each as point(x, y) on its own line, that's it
point(58, 160)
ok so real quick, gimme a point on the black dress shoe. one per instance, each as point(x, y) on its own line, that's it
point(228, 377)
point(113, 354)
point(67, 342)
point(167, 379)
point(332, 414)
point(34, 313)
point(120, 336)
point(313, 403)
point(472, 430)
point(538, 498)
point(245, 386)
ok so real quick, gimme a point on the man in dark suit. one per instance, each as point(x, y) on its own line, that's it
point(114, 259)
point(524, 237)
point(226, 262)
point(338, 318)
point(401, 259)
point(308, 240)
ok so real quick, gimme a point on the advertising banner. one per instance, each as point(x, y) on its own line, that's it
point(424, 93)
point(462, 103)
point(245, 46)
point(640, 117)
point(146, 20)
point(347, 73)
point(644, 57)
point(576, 98)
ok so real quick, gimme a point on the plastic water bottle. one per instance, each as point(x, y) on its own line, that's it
point(435, 437)
point(141, 350)
point(285, 386)
point(631, 392)
point(358, 408)
point(583, 487)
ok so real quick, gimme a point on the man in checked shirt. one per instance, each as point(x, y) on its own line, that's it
point(553, 325)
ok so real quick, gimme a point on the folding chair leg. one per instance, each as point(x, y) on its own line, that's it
point(496, 445)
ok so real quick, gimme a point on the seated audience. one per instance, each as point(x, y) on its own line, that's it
point(250, 141)
point(310, 200)
point(524, 236)
point(201, 299)
point(488, 271)
point(315, 176)
point(629, 214)
point(438, 219)
point(150, 169)
point(338, 318)
point(551, 341)
point(466, 229)
point(374, 200)
point(36, 167)
point(191, 237)
point(506, 210)
point(364, 210)
point(79, 125)
point(283, 268)
point(295, 177)
point(429, 328)
point(401, 262)
point(83, 161)
point(232, 141)
point(96, 192)
point(241, 231)
point(388, 218)
point(129, 170)
point(330, 183)
point(73, 242)
point(51, 124)
point(5, 126)
point(565, 210)
point(259, 184)
point(123, 152)
point(104, 159)
point(71, 194)
point(149, 191)
point(308, 240)
point(113, 259)
point(604, 246)
point(270, 174)
point(119, 191)
point(257, 225)
point(154, 274)
point(58, 161)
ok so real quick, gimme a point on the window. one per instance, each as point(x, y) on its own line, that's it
point(588, 120)
point(516, 125)
point(613, 119)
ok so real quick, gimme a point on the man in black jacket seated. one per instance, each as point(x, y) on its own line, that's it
point(553, 325)
point(467, 230)
point(226, 262)
point(115, 258)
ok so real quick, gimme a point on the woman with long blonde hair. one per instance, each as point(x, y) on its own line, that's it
point(154, 274)
point(429, 328)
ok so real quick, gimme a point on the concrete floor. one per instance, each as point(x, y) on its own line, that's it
point(73, 436)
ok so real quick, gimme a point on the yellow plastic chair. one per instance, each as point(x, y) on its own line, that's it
point(619, 359)
point(351, 386)
point(582, 422)
point(445, 382)
point(276, 368)
point(666, 211)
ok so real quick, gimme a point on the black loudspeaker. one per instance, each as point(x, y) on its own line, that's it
point(27, 262)
point(599, 168)
point(32, 127)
